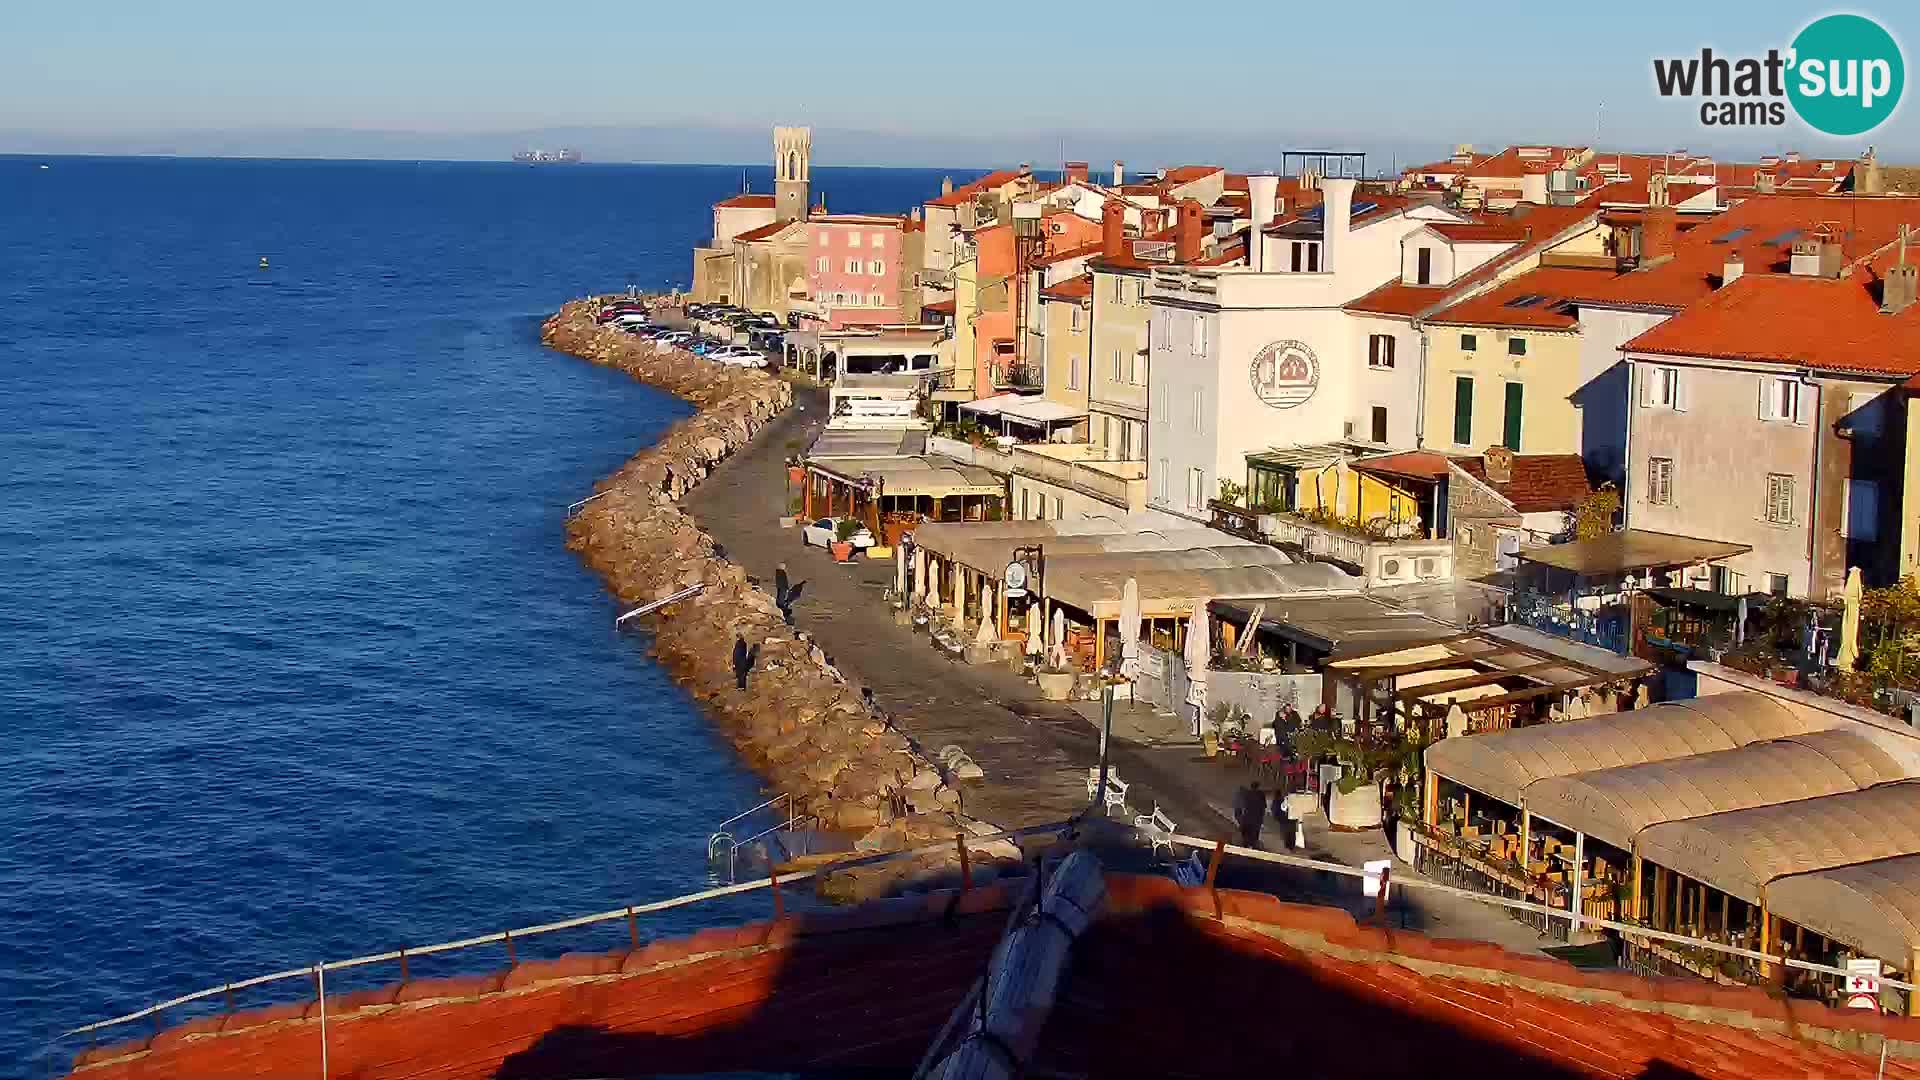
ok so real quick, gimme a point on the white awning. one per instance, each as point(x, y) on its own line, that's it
point(1041, 411)
point(991, 406)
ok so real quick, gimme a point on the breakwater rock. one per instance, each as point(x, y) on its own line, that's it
point(799, 722)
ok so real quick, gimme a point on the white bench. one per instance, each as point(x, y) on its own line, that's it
point(1116, 798)
point(1157, 827)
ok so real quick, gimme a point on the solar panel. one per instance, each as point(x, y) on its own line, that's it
point(1784, 238)
point(1732, 235)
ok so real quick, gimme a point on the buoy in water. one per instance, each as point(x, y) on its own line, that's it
point(263, 262)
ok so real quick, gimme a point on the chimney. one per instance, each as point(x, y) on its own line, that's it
point(1731, 271)
point(1658, 227)
point(1498, 462)
point(1188, 233)
point(1763, 182)
point(1902, 287)
point(1336, 218)
point(1077, 170)
point(914, 214)
point(1026, 167)
point(946, 185)
point(1868, 179)
point(1119, 173)
point(1793, 157)
point(1113, 228)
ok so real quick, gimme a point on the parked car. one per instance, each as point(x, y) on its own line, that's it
point(822, 533)
point(737, 354)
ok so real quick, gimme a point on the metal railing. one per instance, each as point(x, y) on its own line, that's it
point(723, 842)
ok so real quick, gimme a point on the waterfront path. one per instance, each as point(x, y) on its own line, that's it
point(1035, 753)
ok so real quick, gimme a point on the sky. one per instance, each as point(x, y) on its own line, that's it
point(1398, 79)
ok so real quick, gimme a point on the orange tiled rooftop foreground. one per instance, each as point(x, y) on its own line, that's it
point(1158, 987)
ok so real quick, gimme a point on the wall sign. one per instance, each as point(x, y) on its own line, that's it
point(1285, 374)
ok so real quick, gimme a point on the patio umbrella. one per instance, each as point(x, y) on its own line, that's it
point(989, 616)
point(920, 572)
point(1850, 624)
point(1199, 651)
point(1036, 632)
point(933, 588)
point(1130, 630)
point(1059, 637)
point(900, 570)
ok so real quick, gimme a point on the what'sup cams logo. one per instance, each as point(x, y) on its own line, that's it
point(1841, 76)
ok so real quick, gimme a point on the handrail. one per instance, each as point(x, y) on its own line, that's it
point(519, 933)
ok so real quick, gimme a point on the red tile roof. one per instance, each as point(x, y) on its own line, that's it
point(965, 192)
point(1187, 174)
point(1554, 284)
point(1777, 318)
point(765, 231)
point(1771, 223)
point(1411, 464)
point(939, 307)
point(746, 201)
point(1498, 230)
point(1540, 483)
point(1546, 222)
point(1398, 298)
point(1074, 288)
point(1510, 164)
point(1081, 252)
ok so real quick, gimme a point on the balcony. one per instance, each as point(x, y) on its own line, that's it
point(1375, 554)
point(1019, 377)
point(935, 278)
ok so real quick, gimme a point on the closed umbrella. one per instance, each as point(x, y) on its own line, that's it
point(1130, 630)
point(920, 573)
point(1850, 624)
point(1059, 637)
point(989, 616)
point(900, 571)
point(933, 588)
point(1199, 652)
point(1036, 632)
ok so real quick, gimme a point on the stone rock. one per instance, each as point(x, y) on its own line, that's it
point(946, 797)
point(924, 780)
point(967, 770)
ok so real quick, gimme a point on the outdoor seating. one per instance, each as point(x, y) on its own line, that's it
point(1116, 797)
point(1158, 829)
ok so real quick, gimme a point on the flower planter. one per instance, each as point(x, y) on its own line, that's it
point(842, 550)
point(796, 474)
point(1210, 744)
point(1056, 685)
point(1358, 809)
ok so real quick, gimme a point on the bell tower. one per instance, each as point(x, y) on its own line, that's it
point(792, 164)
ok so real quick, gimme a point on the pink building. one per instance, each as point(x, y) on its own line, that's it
point(855, 267)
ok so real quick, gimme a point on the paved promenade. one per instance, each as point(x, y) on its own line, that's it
point(1035, 753)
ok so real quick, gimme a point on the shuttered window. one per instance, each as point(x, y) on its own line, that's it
point(1516, 395)
point(1780, 498)
point(1660, 481)
point(1463, 411)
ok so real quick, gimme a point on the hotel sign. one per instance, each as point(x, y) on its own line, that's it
point(1285, 374)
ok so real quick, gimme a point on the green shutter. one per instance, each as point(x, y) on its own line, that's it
point(1515, 395)
point(1463, 411)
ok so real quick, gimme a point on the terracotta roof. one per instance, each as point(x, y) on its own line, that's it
point(1540, 483)
point(1509, 164)
point(939, 307)
point(1411, 464)
point(965, 192)
point(1777, 318)
point(1398, 298)
point(1082, 252)
point(1762, 230)
point(746, 200)
point(1535, 300)
point(1229, 255)
point(1074, 288)
point(1500, 230)
point(1187, 174)
point(1546, 223)
point(765, 231)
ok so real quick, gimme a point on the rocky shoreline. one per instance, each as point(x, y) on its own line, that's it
point(799, 723)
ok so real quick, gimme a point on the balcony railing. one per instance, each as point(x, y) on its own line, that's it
point(1095, 483)
point(1019, 376)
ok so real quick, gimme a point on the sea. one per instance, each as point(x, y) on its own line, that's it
point(293, 664)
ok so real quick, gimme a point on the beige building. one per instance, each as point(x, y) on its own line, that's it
point(1117, 350)
point(1067, 315)
point(770, 267)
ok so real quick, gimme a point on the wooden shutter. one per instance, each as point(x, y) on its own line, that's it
point(1516, 394)
point(1463, 411)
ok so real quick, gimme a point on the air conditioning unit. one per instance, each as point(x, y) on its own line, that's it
point(1389, 569)
point(1428, 568)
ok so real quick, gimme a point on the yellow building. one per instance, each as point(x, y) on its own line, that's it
point(1503, 367)
point(1067, 313)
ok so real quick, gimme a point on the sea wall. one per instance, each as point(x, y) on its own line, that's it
point(799, 723)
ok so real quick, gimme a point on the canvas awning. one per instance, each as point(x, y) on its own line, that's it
point(1629, 550)
point(1614, 805)
point(927, 474)
point(1171, 584)
point(1330, 623)
point(1036, 410)
point(987, 546)
point(869, 442)
point(991, 406)
point(1739, 853)
point(1502, 764)
point(1873, 907)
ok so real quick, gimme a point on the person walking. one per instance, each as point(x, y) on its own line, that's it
point(742, 662)
point(1280, 816)
point(1251, 814)
point(780, 585)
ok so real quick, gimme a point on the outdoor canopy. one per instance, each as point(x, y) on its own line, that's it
point(1502, 764)
point(1614, 805)
point(1873, 907)
point(1171, 583)
point(929, 474)
point(1738, 853)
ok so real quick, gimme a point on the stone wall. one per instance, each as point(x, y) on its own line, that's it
point(1473, 512)
point(799, 723)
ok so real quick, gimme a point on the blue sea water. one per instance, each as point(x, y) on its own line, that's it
point(293, 664)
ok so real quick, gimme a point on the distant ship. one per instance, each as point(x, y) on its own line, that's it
point(562, 156)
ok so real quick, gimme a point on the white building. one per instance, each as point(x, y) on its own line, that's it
point(1250, 357)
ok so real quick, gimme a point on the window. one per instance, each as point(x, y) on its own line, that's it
point(1299, 256)
point(853, 239)
point(1379, 350)
point(1199, 406)
point(1469, 342)
point(1023, 503)
point(1783, 398)
point(1136, 369)
point(1160, 482)
point(853, 266)
point(1306, 256)
point(1510, 434)
point(1073, 373)
point(1199, 335)
point(876, 300)
point(876, 239)
point(1725, 581)
point(820, 264)
point(876, 268)
point(1380, 423)
point(1313, 258)
point(1463, 410)
point(1423, 267)
point(1196, 489)
point(1861, 516)
point(1863, 414)
point(1660, 481)
point(1660, 388)
point(1780, 498)
point(826, 239)
point(1119, 365)
point(1126, 440)
point(1777, 584)
point(1516, 346)
point(1074, 316)
point(1059, 507)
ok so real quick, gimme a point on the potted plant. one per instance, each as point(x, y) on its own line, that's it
point(796, 472)
point(842, 546)
point(1056, 683)
point(1218, 716)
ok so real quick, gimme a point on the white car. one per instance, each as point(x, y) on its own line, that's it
point(635, 319)
point(738, 355)
point(822, 532)
point(678, 337)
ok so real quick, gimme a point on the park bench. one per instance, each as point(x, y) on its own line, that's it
point(1157, 827)
point(1116, 798)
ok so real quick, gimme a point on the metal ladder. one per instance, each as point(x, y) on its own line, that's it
point(724, 847)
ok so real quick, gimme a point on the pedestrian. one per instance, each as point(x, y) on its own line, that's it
point(1280, 816)
point(742, 662)
point(780, 585)
point(1252, 813)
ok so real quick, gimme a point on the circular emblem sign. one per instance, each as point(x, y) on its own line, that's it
point(1848, 74)
point(1285, 374)
point(1016, 578)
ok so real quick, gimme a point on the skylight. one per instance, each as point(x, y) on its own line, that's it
point(1784, 238)
point(1731, 236)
